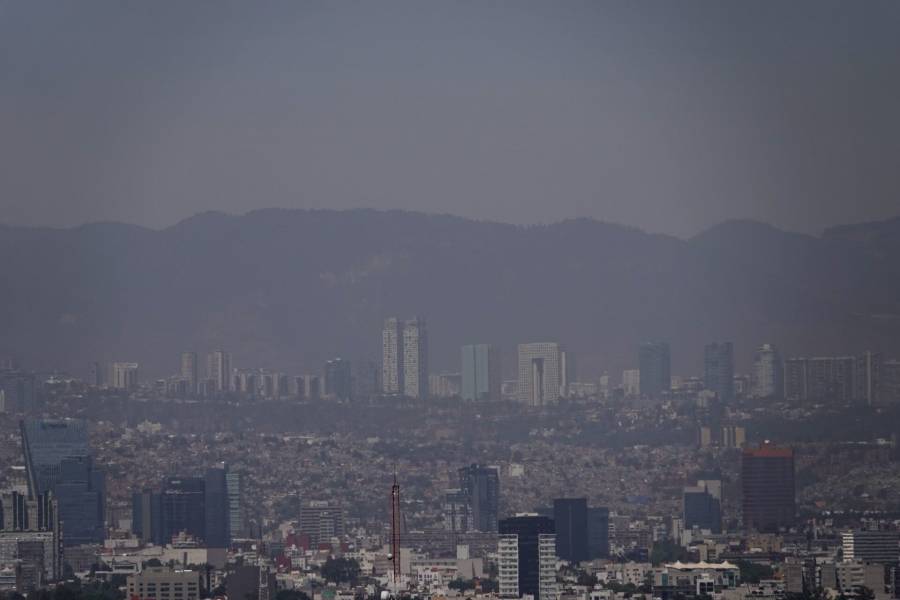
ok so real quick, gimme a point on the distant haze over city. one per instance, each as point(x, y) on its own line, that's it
point(290, 289)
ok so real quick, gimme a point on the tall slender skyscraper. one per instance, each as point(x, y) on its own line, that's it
point(481, 373)
point(189, 370)
point(415, 358)
point(392, 356)
point(218, 367)
point(540, 378)
point(654, 364)
point(481, 485)
point(718, 370)
point(768, 373)
point(216, 507)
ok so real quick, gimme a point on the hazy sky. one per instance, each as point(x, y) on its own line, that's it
point(671, 116)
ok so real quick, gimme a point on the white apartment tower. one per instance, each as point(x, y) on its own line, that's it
point(540, 373)
point(189, 370)
point(404, 352)
point(392, 356)
point(218, 367)
point(415, 358)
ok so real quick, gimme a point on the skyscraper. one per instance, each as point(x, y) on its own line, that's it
point(218, 369)
point(189, 370)
point(768, 373)
point(655, 366)
point(598, 532)
point(235, 508)
point(527, 557)
point(183, 507)
point(124, 375)
point(392, 356)
point(718, 370)
point(539, 373)
point(767, 480)
point(338, 379)
point(415, 358)
point(481, 485)
point(570, 517)
point(703, 505)
point(58, 460)
point(481, 373)
point(216, 507)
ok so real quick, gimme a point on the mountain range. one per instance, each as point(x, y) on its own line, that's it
point(288, 289)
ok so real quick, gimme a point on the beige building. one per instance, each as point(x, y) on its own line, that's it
point(162, 583)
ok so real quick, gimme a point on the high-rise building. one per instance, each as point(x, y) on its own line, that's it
point(481, 485)
point(880, 547)
point(838, 379)
point(183, 507)
point(392, 356)
point(570, 517)
point(767, 481)
point(189, 371)
point(146, 516)
point(598, 532)
point(768, 373)
point(321, 521)
point(481, 374)
point(540, 378)
point(218, 369)
point(124, 375)
point(568, 369)
point(527, 557)
point(338, 379)
point(415, 358)
point(235, 507)
point(867, 379)
point(30, 537)
point(631, 383)
point(58, 460)
point(216, 530)
point(457, 511)
point(703, 505)
point(655, 366)
point(718, 370)
point(18, 391)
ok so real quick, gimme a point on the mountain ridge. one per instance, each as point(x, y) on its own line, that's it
point(287, 288)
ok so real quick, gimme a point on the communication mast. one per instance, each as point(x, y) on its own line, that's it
point(395, 530)
point(263, 572)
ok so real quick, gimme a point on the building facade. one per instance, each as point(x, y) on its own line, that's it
point(527, 557)
point(655, 366)
point(718, 370)
point(481, 373)
point(767, 481)
point(540, 378)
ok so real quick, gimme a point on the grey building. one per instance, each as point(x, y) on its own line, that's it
point(481, 373)
point(655, 366)
point(718, 370)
